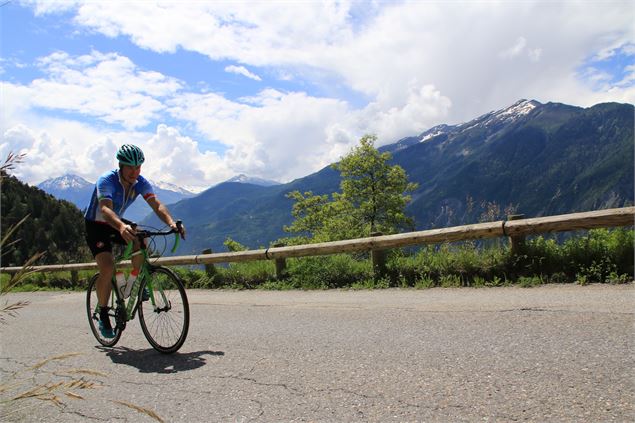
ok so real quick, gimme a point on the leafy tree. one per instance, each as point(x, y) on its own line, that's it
point(320, 219)
point(372, 198)
point(375, 188)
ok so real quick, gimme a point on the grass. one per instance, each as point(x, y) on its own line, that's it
point(597, 256)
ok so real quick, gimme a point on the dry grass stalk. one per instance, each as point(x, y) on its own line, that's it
point(27, 268)
point(57, 357)
point(33, 392)
point(8, 386)
point(81, 384)
point(5, 238)
point(141, 410)
point(11, 310)
point(73, 395)
point(10, 162)
point(53, 398)
point(46, 391)
point(83, 371)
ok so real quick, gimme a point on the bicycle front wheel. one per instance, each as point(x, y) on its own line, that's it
point(92, 308)
point(165, 315)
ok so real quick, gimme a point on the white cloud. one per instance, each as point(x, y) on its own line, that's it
point(51, 6)
point(106, 86)
point(629, 77)
point(453, 46)
point(241, 70)
point(515, 50)
point(43, 153)
point(415, 64)
point(424, 106)
point(260, 32)
point(70, 147)
point(55, 147)
point(274, 135)
point(174, 158)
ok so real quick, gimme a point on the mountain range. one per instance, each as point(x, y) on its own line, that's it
point(78, 190)
point(531, 158)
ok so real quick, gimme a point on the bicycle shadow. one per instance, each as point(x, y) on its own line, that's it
point(151, 361)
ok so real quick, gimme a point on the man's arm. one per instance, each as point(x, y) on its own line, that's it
point(164, 214)
point(126, 231)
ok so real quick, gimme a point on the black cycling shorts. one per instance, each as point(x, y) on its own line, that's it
point(100, 237)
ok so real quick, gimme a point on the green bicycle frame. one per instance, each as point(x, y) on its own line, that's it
point(144, 273)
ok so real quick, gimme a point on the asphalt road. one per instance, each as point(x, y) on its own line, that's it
point(558, 353)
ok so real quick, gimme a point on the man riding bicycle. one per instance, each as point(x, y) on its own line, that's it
point(114, 192)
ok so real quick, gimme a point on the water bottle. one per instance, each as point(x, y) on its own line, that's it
point(121, 283)
point(130, 282)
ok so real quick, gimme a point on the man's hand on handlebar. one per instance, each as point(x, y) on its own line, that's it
point(179, 227)
point(128, 233)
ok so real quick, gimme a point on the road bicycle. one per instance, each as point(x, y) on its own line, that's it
point(158, 294)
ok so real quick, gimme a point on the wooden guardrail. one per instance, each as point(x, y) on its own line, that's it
point(510, 228)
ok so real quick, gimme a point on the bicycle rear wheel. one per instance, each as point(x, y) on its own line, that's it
point(165, 317)
point(92, 308)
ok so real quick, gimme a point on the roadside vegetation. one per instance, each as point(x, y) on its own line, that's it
point(596, 256)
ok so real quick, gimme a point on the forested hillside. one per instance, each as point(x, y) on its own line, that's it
point(53, 226)
point(552, 160)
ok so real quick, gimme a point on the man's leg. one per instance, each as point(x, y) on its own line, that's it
point(106, 264)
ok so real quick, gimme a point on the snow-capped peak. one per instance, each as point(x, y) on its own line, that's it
point(244, 179)
point(171, 187)
point(67, 181)
point(503, 116)
point(521, 108)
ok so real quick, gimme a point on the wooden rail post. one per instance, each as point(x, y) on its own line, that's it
point(281, 264)
point(210, 269)
point(378, 258)
point(74, 278)
point(517, 243)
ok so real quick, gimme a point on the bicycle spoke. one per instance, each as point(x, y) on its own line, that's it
point(165, 318)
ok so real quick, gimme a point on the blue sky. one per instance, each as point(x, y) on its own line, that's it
point(281, 89)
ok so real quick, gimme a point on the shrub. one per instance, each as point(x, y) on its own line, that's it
point(326, 272)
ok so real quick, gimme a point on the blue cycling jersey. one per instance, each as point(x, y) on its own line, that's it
point(110, 187)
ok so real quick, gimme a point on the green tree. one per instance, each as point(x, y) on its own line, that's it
point(375, 188)
point(320, 219)
point(373, 198)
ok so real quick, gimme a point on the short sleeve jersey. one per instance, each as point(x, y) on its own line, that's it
point(109, 187)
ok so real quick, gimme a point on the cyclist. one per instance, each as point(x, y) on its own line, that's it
point(114, 192)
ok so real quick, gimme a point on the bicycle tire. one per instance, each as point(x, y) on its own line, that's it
point(93, 313)
point(165, 317)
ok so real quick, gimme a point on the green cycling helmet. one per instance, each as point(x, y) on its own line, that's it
point(130, 155)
